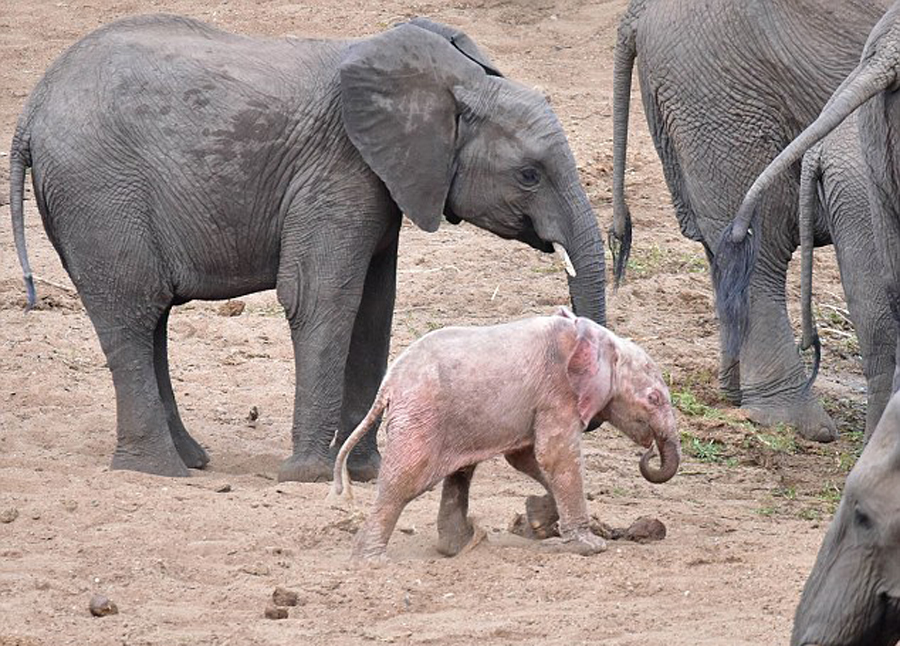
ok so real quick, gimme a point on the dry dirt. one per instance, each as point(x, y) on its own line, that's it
point(194, 561)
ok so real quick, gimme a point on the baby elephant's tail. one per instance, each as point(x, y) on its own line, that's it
point(341, 473)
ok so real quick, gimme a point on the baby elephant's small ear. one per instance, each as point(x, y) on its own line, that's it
point(565, 312)
point(589, 371)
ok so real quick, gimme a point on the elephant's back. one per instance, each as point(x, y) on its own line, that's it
point(731, 83)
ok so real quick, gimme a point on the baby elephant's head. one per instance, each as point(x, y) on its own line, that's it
point(616, 381)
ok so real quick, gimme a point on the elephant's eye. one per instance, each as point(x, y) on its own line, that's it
point(861, 518)
point(529, 176)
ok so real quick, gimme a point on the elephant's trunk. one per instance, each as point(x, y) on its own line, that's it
point(585, 246)
point(669, 446)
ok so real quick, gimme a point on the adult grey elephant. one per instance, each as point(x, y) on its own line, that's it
point(172, 161)
point(834, 204)
point(871, 89)
point(852, 595)
point(725, 84)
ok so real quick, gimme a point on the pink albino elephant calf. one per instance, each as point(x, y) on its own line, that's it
point(526, 389)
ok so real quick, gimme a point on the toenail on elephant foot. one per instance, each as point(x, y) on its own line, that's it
point(305, 468)
point(192, 454)
point(163, 461)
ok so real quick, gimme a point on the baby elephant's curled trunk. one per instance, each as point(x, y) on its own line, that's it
point(669, 458)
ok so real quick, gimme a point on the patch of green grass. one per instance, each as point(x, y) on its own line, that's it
point(687, 403)
point(702, 450)
point(788, 493)
point(767, 510)
point(779, 439)
point(810, 513)
point(831, 492)
point(847, 459)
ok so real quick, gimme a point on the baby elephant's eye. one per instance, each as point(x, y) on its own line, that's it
point(529, 176)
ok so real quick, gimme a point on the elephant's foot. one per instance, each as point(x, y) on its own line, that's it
point(159, 458)
point(584, 543)
point(453, 541)
point(542, 516)
point(809, 418)
point(364, 468)
point(306, 468)
point(192, 454)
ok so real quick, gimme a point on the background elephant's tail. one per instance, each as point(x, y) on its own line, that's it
point(19, 160)
point(736, 254)
point(623, 66)
point(340, 487)
point(809, 204)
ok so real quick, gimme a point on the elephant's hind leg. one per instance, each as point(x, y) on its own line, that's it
point(126, 298)
point(144, 442)
point(540, 511)
point(192, 454)
point(455, 531)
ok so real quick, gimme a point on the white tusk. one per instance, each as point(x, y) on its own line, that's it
point(561, 250)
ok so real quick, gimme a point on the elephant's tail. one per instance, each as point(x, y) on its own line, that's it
point(809, 203)
point(340, 487)
point(735, 257)
point(19, 160)
point(623, 66)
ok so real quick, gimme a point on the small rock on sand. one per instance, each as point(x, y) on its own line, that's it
point(275, 612)
point(284, 597)
point(101, 606)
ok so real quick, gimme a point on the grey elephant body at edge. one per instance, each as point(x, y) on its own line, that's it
point(725, 85)
point(834, 204)
point(172, 161)
point(852, 595)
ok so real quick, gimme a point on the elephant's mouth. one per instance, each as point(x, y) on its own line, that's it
point(529, 235)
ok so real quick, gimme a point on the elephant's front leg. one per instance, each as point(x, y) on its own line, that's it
point(557, 450)
point(368, 358)
point(320, 289)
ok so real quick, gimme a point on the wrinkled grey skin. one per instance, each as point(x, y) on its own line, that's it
point(527, 390)
point(852, 596)
point(834, 204)
point(172, 161)
point(870, 88)
point(725, 84)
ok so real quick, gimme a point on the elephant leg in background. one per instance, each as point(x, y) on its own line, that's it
point(869, 310)
point(455, 530)
point(192, 454)
point(368, 359)
point(320, 285)
point(540, 511)
point(773, 379)
point(126, 315)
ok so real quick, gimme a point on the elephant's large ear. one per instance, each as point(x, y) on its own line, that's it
point(590, 369)
point(400, 113)
point(461, 41)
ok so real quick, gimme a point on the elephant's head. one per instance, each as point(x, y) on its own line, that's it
point(852, 596)
point(616, 381)
point(449, 136)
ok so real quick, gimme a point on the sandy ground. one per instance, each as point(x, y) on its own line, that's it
point(194, 561)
